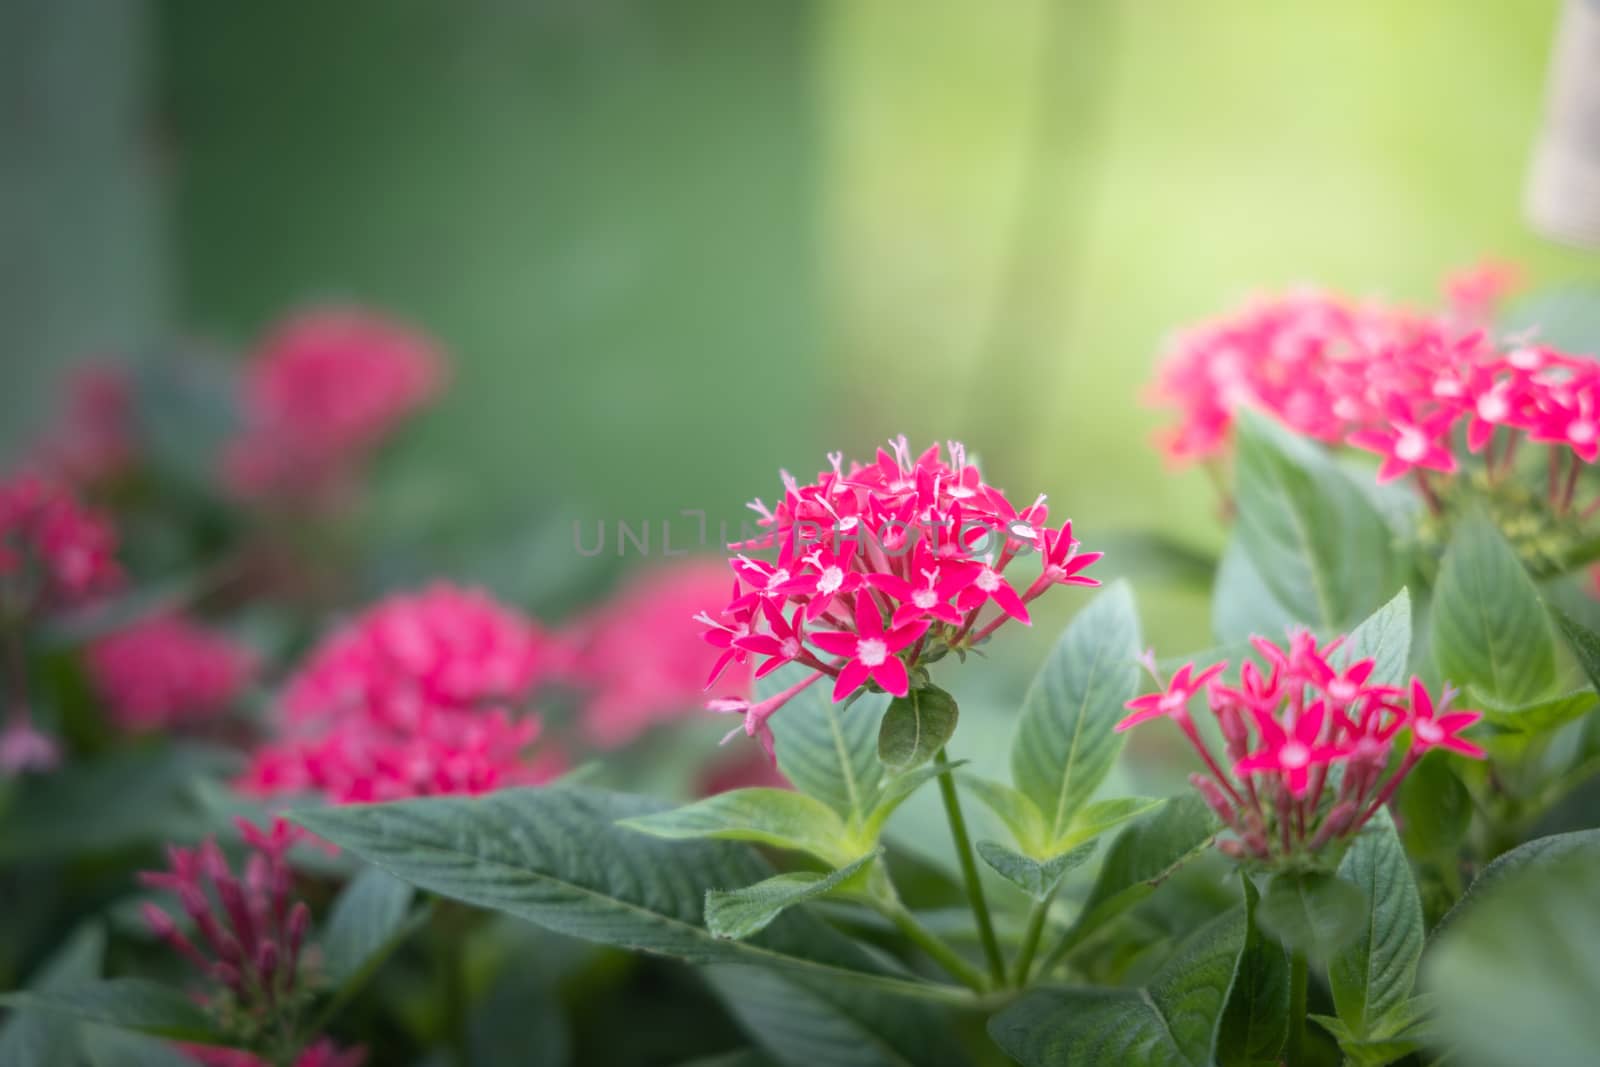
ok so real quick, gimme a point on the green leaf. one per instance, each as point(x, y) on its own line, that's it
point(41, 1039)
point(915, 728)
point(781, 818)
point(1489, 627)
point(1102, 815)
point(1513, 967)
point(828, 750)
point(1376, 1051)
point(1584, 642)
point(1321, 548)
point(1374, 972)
point(897, 790)
point(808, 1025)
point(364, 921)
point(130, 1003)
point(129, 798)
point(1241, 603)
point(1172, 1020)
point(1539, 716)
point(1140, 859)
point(107, 1047)
point(1543, 852)
point(1020, 815)
point(1434, 806)
point(1312, 912)
point(739, 913)
point(1066, 742)
point(1037, 878)
point(1255, 1023)
point(1385, 638)
point(555, 857)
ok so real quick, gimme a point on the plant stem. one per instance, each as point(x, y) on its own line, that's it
point(937, 950)
point(969, 871)
point(1030, 941)
point(1294, 1053)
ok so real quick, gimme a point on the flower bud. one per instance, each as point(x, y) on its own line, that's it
point(1214, 798)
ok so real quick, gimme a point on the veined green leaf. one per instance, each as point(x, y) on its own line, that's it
point(1169, 1022)
point(1319, 545)
point(364, 921)
point(1319, 914)
point(739, 913)
point(897, 789)
point(1489, 627)
point(1539, 716)
point(556, 857)
point(50, 1039)
point(829, 751)
point(1241, 602)
point(1066, 741)
point(1374, 973)
point(778, 817)
point(1255, 1023)
point(915, 728)
point(1036, 877)
point(1020, 815)
point(1384, 637)
point(1584, 642)
point(1102, 815)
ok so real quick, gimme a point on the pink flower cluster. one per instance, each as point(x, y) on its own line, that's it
point(878, 569)
point(636, 663)
point(320, 1053)
point(1387, 380)
point(320, 395)
point(424, 693)
point(251, 930)
point(1287, 728)
point(166, 671)
point(54, 552)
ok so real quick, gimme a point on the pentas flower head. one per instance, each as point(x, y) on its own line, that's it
point(873, 570)
point(320, 1053)
point(242, 929)
point(168, 671)
point(54, 552)
point(319, 395)
point(1410, 387)
point(424, 693)
point(638, 666)
point(1307, 744)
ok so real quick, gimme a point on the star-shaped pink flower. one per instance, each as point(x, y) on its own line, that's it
point(870, 652)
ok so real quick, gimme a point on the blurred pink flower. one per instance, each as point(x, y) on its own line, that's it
point(93, 439)
point(743, 769)
point(321, 1053)
point(320, 394)
point(423, 693)
point(54, 552)
point(637, 662)
point(167, 670)
point(23, 748)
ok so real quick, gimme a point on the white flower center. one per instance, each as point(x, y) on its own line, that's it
point(790, 648)
point(1446, 387)
point(1525, 359)
point(1427, 730)
point(1411, 446)
point(1342, 689)
point(988, 580)
point(779, 576)
point(1492, 407)
point(1581, 431)
point(924, 598)
point(1294, 755)
point(1173, 701)
point(831, 580)
point(872, 652)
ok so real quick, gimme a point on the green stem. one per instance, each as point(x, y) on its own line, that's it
point(969, 871)
point(1030, 941)
point(1299, 972)
point(937, 950)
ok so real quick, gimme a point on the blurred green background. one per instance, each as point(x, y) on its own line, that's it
point(675, 246)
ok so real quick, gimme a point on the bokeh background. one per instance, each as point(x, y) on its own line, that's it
point(675, 246)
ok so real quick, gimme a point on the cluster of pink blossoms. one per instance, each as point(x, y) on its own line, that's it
point(54, 552)
point(422, 694)
point(878, 569)
point(167, 671)
point(631, 685)
point(1307, 743)
point(1387, 380)
point(320, 395)
point(248, 939)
